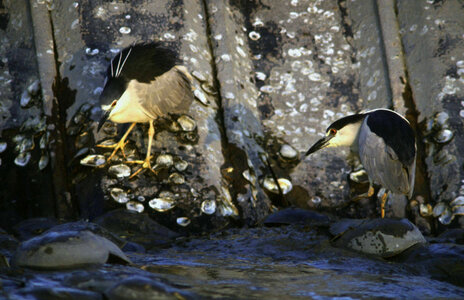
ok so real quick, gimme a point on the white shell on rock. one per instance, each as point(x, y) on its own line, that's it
point(208, 207)
point(176, 178)
point(164, 160)
point(119, 195)
point(200, 96)
point(162, 204)
point(183, 221)
point(43, 161)
point(439, 209)
point(226, 210)
point(249, 177)
point(34, 88)
point(442, 118)
point(288, 152)
point(270, 185)
point(120, 171)
point(26, 144)
point(446, 217)
point(199, 75)
point(457, 201)
point(25, 99)
point(254, 35)
point(187, 123)
point(3, 146)
point(444, 136)
point(181, 165)
point(22, 159)
point(458, 210)
point(135, 206)
point(125, 30)
point(93, 160)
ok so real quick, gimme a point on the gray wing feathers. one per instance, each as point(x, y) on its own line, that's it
point(382, 163)
point(168, 93)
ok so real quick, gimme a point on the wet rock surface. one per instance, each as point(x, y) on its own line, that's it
point(66, 249)
point(381, 237)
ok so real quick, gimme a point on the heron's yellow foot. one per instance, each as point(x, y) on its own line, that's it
point(369, 194)
point(119, 145)
point(146, 164)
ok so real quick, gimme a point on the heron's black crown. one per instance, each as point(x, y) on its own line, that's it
point(339, 124)
point(142, 62)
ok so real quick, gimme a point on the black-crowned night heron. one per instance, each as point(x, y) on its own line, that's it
point(386, 145)
point(143, 82)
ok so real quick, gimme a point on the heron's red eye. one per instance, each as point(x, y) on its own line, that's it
point(333, 131)
point(113, 103)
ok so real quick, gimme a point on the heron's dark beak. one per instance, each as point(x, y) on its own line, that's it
point(103, 119)
point(320, 144)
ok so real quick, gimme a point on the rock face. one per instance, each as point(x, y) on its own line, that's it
point(432, 41)
point(67, 249)
point(268, 79)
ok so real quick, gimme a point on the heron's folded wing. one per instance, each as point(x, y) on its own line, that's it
point(382, 163)
point(168, 93)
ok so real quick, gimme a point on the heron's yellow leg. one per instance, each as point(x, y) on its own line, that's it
point(383, 200)
point(370, 192)
point(145, 163)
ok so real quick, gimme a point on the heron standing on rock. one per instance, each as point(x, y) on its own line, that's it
point(143, 82)
point(386, 145)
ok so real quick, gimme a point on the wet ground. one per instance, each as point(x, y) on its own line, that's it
point(288, 262)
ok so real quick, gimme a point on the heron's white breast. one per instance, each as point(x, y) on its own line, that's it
point(128, 109)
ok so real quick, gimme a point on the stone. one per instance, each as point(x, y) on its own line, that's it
point(98, 230)
point(378, 237)
point(67, 249)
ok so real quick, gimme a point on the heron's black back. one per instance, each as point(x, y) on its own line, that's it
point(396, 133)
point(142, 62)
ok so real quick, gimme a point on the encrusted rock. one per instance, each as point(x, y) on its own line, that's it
point(68, 249)
point(380, 237)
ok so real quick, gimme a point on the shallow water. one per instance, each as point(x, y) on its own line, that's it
point(283, 263)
